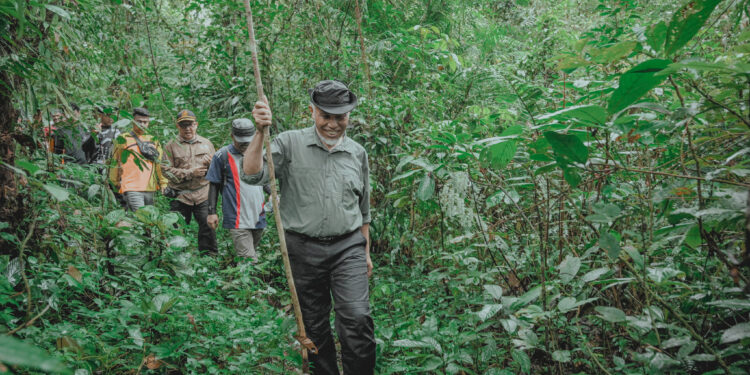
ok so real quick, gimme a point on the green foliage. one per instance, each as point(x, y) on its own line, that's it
point(19, 353)
point(686, 22)
point(558, 187)
point(635, 83)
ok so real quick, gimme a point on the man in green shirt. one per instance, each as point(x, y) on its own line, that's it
point(325, 208)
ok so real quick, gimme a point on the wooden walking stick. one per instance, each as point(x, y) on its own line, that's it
point(306, 343)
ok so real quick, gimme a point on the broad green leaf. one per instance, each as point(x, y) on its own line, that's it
point(499, 154)
point(589, 114)
point(522, 360)
point(567, 146)
point(163, 302)
point(614, 52)
point(406, 343)
point(93, 190)
point(693, 237)
point(29, 167)
point(569, 268)
point(635, 256)
point(611, 314)
point(115, 216)
point(570, 63)
point(656, 34)
point(495, 291)
point(527, 297)
point(426, 188)
point(59, 11)
point(147, 214)
point(135, 334)
point(635, 83)
point(739, 304)
point(686, 22)
point(599, 218)
point(701, 66)
point(170, 218)
point(431, 364)
point(561, 356)
point(488, 311)
point(406, 174)
point(159, 300)
point(434, 344)
point(737, 332)
point(57, 192)
point(571, 176)
point(119, 125)
point(609, 242)
point(18, 353)
point(702, 357)
point(178, 242)
point(566, 304)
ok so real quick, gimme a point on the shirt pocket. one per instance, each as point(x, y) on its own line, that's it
point(202, 159)
point(350, 189)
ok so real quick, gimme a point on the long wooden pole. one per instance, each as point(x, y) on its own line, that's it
point(306, 343)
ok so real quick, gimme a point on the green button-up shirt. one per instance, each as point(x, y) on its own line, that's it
point(323, 192)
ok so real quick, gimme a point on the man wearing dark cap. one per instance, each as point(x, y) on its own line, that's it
point(242, 204)
point(188, 158)
point(137, 180)
point(325, 209)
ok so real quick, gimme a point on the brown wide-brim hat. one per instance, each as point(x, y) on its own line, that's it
point(333, 97)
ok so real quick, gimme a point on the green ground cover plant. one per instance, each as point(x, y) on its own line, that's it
point(559, 187)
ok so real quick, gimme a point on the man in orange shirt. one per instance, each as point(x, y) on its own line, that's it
point(140, 176)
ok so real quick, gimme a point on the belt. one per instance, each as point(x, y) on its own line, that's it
point(321, 239)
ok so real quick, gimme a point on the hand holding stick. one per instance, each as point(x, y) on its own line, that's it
point(263, 121)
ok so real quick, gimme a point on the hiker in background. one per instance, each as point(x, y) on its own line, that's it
point(105, 135)
point(69, 136)
point(189, 156)
point(242, 204)
point(325, 208)
point(139, 181)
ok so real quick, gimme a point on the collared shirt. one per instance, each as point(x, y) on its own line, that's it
point(182, 156)
point(323, 192)
point(241, 203)
point(142, 175)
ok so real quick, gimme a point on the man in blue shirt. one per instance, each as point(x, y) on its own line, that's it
point(242, 204)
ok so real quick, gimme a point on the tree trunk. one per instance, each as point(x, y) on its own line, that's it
point(11, 202)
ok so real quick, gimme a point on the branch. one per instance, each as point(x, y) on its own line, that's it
point(677, 175)
point(29, 323)
point(153, 62)
point(718, 104)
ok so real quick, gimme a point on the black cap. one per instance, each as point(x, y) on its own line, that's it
point(140, 111)
point(243, 130)
point(333, 97)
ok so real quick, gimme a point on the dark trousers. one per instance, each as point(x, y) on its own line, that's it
point(206, 235)
point(337, 268)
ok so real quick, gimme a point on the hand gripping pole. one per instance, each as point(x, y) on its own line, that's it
point(306, 343)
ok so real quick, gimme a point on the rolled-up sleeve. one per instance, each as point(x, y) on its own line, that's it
point(364, 201)
point(279, 161)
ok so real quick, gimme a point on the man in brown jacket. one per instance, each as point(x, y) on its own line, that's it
point(189, 157)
